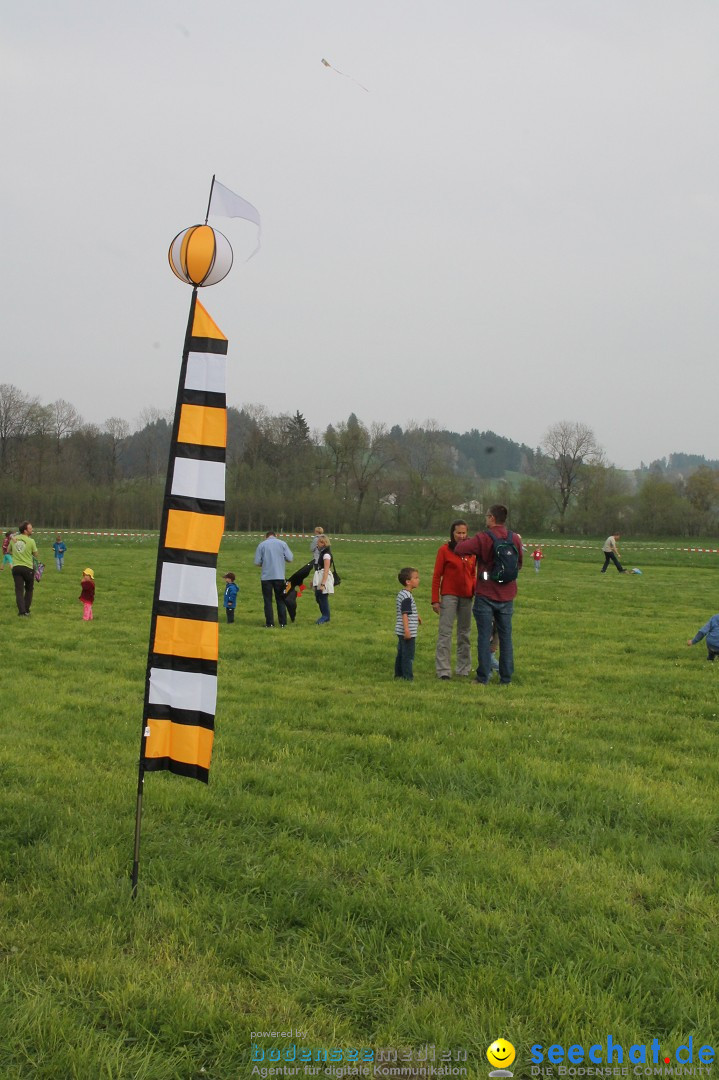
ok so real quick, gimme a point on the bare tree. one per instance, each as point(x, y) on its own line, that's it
point(39, 432)
point(118, 430)
point(65, 420)
point(152, 415)
point(568, 448)
point(15, 417)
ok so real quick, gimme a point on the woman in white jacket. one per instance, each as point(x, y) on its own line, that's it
point(323, 581)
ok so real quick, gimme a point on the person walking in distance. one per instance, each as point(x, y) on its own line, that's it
point(611, 554)
point(59, 547)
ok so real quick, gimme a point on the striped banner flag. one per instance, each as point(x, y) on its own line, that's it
point(181, 683)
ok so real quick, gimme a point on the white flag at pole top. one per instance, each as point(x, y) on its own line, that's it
point(225, 203)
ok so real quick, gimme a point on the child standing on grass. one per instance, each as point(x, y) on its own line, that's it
point(710, 631)
point(537, 556)
point(59, 547)
point(230, 601)
point(406, 624)
point(6, 556)
point(87, 593)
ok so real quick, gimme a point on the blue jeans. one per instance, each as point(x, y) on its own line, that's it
point(405, 658)
point(485, 613)
point(324, 602)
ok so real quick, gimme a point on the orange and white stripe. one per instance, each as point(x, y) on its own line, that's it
point(181, 686)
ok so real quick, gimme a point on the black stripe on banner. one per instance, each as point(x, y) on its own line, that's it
point(190, 717)
point(184, 663)
point(180, 768)
point(200, 453)
point(172, 609)
point(188, 558)
point(195, 506)
point(207, 398)
point(206, 344)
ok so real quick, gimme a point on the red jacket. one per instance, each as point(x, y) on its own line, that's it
point(453, 574)
point(481, 545)
point(88, 592)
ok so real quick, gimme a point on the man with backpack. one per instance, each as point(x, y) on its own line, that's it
point(499, 560)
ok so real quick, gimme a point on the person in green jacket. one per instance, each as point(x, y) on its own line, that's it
point(24, 551)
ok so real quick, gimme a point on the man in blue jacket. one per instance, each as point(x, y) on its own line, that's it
point(272, 554)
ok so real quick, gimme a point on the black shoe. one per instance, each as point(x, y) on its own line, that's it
point(482, 682)
point(444, 678)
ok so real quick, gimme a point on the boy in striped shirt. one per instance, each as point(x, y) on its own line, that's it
point(406, 624)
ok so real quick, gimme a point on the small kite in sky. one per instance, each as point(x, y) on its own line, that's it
point(328, 65)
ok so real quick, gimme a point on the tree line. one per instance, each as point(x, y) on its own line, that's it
point(352, 477)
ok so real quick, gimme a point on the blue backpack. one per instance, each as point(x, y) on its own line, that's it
point(505, 565)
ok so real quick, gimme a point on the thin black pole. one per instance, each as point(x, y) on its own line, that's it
point(209, 201)
point(138, 823)
point(158, 575)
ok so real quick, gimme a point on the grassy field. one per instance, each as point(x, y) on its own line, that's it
point(374, 864)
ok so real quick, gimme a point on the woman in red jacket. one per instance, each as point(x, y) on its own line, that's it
point(453, 584)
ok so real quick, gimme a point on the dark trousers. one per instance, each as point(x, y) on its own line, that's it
point(404, 661)
point(24, 579)
point(324, 604)
point(609, 556)
point(230, 614)
point(291, 603)
point(276, 586)
point(486, 614)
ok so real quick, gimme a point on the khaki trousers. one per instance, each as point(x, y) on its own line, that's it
point(454, 609)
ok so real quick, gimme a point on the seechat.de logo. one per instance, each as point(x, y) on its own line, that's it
point(501, 1054)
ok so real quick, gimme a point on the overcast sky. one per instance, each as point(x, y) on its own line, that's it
point(517, 224)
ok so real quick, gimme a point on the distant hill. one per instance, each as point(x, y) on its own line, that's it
point(489, 455)
point(679, 463)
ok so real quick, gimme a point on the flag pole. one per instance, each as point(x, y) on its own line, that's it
point(209, 201)
point(158, 572)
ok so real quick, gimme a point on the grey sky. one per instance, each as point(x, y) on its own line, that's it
point(518, 224)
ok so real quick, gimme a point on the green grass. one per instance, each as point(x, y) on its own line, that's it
point(375, 864)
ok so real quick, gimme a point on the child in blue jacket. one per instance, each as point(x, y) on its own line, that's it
point(710, 631)
point(231, 591)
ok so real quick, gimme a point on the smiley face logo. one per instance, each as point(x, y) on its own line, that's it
point(501, 1054)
